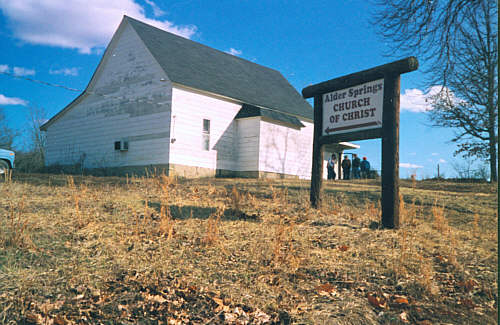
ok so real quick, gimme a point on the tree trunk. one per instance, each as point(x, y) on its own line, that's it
point(491, 103)
point(493, 156)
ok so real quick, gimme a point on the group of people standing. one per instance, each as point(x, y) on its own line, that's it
point(360, 168)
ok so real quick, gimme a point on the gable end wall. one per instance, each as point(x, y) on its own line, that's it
point(132, 103)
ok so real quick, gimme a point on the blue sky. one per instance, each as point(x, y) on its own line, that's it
point(62, 41)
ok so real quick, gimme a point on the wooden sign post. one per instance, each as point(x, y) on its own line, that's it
point(363, 105)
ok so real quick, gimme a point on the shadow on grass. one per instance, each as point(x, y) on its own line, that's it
point(194, 212)
point(354, 197)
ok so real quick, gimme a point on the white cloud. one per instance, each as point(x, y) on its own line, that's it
point(156, 10)
point(408, 165)
point(86, 25)
point(434, 154)
point(12, 101)
point(442, 161)
point(415, 100)
point(18, 71)
point(65, 71)
point(234, 52)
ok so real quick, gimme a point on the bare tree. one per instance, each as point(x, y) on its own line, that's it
point(32, 157)
point(33, 160)
point(7, 134)
point(37, 117)
point(457, 41)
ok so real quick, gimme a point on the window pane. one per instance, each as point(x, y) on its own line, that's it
point(206, 135)
point(206, 126)
point(206, 142)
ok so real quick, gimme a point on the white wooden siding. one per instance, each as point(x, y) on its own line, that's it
point(129, 98)
point(189, 108)
point(163, 123)
point(286, 150)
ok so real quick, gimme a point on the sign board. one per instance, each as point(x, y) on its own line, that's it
point(353, 109)
point(359, 106)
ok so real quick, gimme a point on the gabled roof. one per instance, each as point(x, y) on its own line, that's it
point(197, 66)
point(203, 68)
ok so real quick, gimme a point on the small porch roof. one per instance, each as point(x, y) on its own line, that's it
point(251, 111)
point(341, 146)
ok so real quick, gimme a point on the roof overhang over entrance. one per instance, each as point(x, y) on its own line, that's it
point(340, 147)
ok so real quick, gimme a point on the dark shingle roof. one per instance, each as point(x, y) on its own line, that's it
point(200, 67)
point(250, 111)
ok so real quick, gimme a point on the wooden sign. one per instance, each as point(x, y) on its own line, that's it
point(359, 106)
point(353, 109)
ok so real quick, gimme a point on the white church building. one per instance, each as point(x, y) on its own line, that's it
point(157, 100)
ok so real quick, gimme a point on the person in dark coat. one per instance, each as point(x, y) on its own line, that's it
point(365, 168)
point(355, 166)
point(346, 167)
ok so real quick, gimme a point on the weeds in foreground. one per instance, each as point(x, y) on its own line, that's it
point(426, 278)
point(403, 253)
point(235, 201)
point(16, 233)
point(407, 212)
point(78, 193)
point(7, 176)
point(152, 253)
point(373, 211)
point(283, 251)
point(475, 226)
point(440, 222)
point(212, 232)
point(448, 237)
point(167, 223)
point(166, 185)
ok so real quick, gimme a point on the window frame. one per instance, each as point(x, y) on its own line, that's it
point(205, 135)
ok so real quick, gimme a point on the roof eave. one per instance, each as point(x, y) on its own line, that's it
point(236, 101)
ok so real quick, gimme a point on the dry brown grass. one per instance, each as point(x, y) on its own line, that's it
point(161, 249)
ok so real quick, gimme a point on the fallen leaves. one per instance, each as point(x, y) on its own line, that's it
point(467, 302)
point(159, 300)
point(376, 300)
point(343, 248)
point(33, 318)
point(424, 322)
point(155, 298)
point(326, 289)
point(403, 317)
point(239, 316)
point(383, 300)
point(468, 285)
point(130, 301)
point(220, 305)
point(400, 300)
point(60, 320)
point(341, 260)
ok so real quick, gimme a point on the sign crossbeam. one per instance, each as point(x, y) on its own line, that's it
point(363, 105)
point(396, 67)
